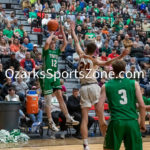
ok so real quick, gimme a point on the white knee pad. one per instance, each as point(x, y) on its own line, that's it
point(47, 99)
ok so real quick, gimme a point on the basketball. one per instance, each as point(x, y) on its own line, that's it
point(52, 25)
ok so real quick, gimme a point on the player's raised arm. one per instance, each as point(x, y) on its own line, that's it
point(48, 41)
point(78, 47)
point(64, 39)
point(107, 63)
point(141, 106)
point(100, 107)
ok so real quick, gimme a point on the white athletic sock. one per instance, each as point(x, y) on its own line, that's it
point(85, 142)
point(50, 120)
point(68, 117)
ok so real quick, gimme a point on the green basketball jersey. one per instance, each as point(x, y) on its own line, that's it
point(146, 100)
point(121, 98)
point(50, 58)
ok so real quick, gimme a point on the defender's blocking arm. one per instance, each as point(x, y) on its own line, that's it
point(78, 47)
point(106, 63)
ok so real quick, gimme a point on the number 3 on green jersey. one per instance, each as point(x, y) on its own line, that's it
point(123, 94)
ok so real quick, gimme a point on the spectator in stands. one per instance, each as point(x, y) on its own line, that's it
point(11, 18)
point(6, 86)
point(86, 40)
point(11, 95)
point(57, 6)
point(38, 61)
point(8, 31)
point(69, 50)
point(82, 4)
point(137, 51)
point(15, 25)
point(45, 21)
point(75, 60)
point(90, 34)
point(32, 15)
point(4, 47)
point(38, 6)
point(147, 53)
point(110, 41)
point(2, 11)
point(143, 7)
point(118, 25)
point(28, 45)
point(103, 56)
point(78, 20)
point(144, 81)
point(133, 74)
point(106, 48)
point(113, 54)
point(131, 63)
point(117, 47)
point(98, 42)
point(21, 54)
point(140, 43)
point(57, 115)
point(127, 42)
point(25, 35)
point(12, 61)
point(2, 17)
point(21, 88)
point(148, 41)
point(26, 6)
point(20, 31)
point(120, 42)
point(78, 7)
point(74, 108)
point(35, 51)
point(28, 63)
point(46, 9)
point(15, 46)
point(67, 24)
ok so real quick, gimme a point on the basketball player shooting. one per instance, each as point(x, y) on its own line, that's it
point(90, 90)
point(51, 85)
point(122, 99)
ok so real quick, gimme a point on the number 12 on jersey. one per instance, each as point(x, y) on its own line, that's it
point(54, 63)
point(123, 94)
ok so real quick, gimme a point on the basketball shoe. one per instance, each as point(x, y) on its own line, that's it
point(86, 147)
point(71, 121)
point(53, 127)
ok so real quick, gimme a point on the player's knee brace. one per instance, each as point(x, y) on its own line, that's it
point(48, 99)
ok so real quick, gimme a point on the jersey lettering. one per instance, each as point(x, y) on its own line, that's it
point(84, 66)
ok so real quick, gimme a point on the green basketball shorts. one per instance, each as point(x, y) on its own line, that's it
point(48, 85)
point(127, 131)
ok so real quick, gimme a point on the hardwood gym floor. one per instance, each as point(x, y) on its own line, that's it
point(67, 144)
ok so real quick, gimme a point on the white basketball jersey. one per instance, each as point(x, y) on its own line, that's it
point(87, 71)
